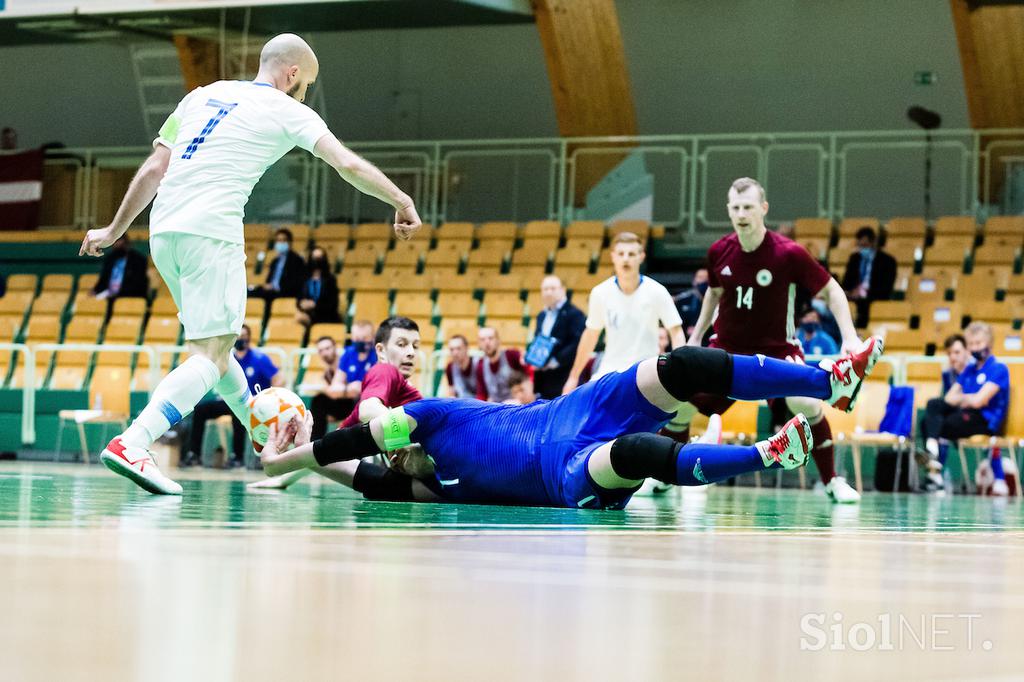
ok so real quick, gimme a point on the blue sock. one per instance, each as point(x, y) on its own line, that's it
point(997, 466)
point(700, 463)
point(755, 377)
point(943, 452)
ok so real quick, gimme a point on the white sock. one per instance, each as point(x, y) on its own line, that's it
point(174, 398)
point(234, 389)
point(932, 446)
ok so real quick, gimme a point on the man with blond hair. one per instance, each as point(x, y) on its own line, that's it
point(210, 153)
point(628, 308)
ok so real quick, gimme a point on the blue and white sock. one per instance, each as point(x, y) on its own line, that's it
point(174, 398)
point(755, 377)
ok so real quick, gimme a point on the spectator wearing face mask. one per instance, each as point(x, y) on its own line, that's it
point(343, 376)
point(260, 373)
point(870, 275)
point(318, 301)
point(689, 302)
point(813, 339)
point(976, 404)
point(286, 273)
point(956, 352)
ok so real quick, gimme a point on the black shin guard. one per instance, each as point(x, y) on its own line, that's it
point(354, 442)
point(689, 370)
point(645, 455)
point(380, 483)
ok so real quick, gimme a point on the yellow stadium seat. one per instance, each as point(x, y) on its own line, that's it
point(129, 306)
point(534, 252)
point(283, 332)
point(461, 232)
point(258, 232)
point(447, 255)
point(162, 331)
point(587, 282)
point(982, 283)
point(996, 312)
point(457, 304)
point(458, 326)
point(1009, 226)
point(123, 329)
point(489, 255)
point(739, 422)
point(813, 228)
point(911, 341)
point(906, 228)
point(57, 283)
point(337, 232)
point(87, 282)
point(16, 302)
point(50, 303)
point(956, 225)
point(997, 251)
point(640, 228)
point(363, 255)
point(838, 257)
point(490, 282)
point(373, 232)
point(422, 283)
point(905, 252)
point(22, 283)
point(284, 306)
point(930, 285)
point(9, 326)
point(464, 283)
point(353, 278)
point(418, 307)
point(511, 332)
point(502, 306)
point(890, 314)
point(585, 229)
point(405, 253)
point(370, 305)
point(576, 254)
point(949, 251)
point(541, 229)
point(818, 248)
point(500, 231)
point(1008, 342)
point(83, 329)
point(940, 318)
point(337, 331)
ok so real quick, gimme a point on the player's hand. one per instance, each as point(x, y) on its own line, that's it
point(304, 430)
point(570, 385)
point(407, 222)
point(97, 240)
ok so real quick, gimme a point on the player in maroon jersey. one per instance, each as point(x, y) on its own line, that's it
point(753, 276)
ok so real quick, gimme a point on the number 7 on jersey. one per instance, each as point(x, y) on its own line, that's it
point(223, 109)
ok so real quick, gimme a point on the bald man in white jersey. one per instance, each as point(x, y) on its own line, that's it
point(209, 155)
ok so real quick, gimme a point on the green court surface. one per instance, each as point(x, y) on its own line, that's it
point(100, 580)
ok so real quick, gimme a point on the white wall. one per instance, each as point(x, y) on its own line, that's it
point(696, 66)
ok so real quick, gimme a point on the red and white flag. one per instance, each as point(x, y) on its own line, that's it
point(21, 188)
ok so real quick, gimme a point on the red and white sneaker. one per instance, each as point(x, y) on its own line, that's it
point(790, 446)
point(137, 465)
point(848, 373)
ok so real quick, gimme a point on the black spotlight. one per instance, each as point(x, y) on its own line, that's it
point(926, 118)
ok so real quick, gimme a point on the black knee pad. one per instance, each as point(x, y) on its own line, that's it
point(645, 455)
point(689, 370)
point(380, 483)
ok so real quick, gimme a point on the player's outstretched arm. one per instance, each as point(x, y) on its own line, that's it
point(369, 179)
point(840, 306)
point(707, 313)
point(140, 192)
point(587, 344)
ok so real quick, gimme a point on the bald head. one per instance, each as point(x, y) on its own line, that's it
point(288, 63)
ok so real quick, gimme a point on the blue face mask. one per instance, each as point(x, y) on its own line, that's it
point(281, 247)
point(361, 346)
point(866, 252)
point(702, 288)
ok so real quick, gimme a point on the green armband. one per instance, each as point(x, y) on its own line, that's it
point(396, 429)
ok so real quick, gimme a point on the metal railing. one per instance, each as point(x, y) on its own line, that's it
point(829, 175)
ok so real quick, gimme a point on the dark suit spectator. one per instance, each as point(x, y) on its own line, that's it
point(261, 372)
point(494, 371)
point(559, 328)
point(318, 301)
point(286, 273)
point(3, 285)
point(870, 274)
point(976, 404)
point(461, 370)
point(124, 273)
point(690, 301)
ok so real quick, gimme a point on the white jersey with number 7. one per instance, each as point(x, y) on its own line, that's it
point(222, 138)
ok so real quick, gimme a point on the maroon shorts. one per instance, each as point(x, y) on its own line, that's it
point(709, 404)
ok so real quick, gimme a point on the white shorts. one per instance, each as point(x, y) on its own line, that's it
point(206, 278)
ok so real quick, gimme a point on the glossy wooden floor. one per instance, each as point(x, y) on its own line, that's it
point(101, 581)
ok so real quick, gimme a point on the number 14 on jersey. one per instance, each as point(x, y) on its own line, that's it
point(745, 297)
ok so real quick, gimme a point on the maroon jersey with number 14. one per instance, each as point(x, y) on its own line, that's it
point(755, 312)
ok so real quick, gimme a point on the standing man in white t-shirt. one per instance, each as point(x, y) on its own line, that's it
point(628, 307)
point(209, 155)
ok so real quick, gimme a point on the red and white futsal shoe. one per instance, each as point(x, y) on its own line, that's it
point(790, 446)
point(848, 373)
point(137, 465)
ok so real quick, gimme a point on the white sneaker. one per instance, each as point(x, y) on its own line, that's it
point(999, 488)
point(654, 487)
point(841, 492)
point(849, 372)
point(137, 465)
point(790, 446)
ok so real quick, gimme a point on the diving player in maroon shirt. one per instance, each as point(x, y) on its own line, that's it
point(753, 276)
